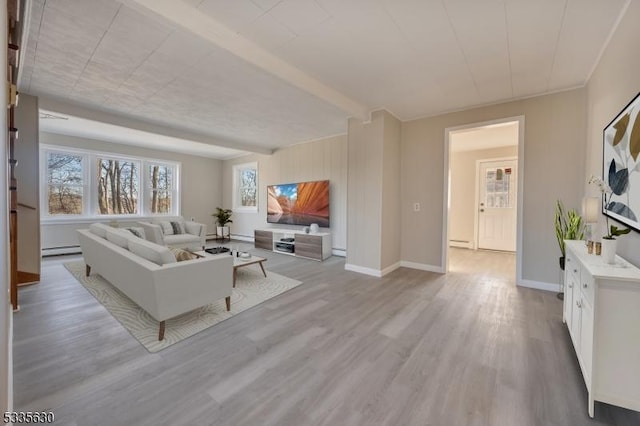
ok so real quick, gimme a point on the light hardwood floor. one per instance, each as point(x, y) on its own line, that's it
point(412, 348)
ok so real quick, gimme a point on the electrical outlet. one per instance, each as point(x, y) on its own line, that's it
point(416, 207)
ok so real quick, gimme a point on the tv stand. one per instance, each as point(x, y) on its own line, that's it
point(294, 243)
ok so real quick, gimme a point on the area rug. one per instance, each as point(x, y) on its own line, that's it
point(252, 288)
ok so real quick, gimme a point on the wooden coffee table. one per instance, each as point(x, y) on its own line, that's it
point(239, 262)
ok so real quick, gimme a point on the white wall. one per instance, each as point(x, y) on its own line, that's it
point(463, 188)
point(364, 232)
point(201, 186)
point(27, 175)
point(325, 159)
point(391, 244)
point(554, 134)
point(614, 82)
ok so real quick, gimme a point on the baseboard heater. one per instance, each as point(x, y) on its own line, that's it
point(460, 243)
point(58, 251)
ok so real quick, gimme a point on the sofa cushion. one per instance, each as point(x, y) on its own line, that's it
point(152, 252)
point(182, 255)
point(174, 240)
point(119, 237)
point(167, 229)
point(99, 229)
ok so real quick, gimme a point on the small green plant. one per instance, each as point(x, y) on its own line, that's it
point(568, 225)
point(223, 216)
point(615, 232)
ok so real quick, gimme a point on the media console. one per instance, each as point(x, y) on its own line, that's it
point(294, 243)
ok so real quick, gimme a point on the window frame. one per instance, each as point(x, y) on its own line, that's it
point(90, 207)
point(237, 169)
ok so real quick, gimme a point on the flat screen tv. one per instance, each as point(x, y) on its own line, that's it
point(301, 203)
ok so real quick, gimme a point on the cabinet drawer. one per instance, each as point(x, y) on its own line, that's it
point(310, 251)
point(263, 240)
point(587, 285)
point(313, 240)
point(572, 267)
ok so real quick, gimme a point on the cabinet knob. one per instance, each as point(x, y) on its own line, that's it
point(584, 285)
point(578, 304)
point(570, 285)
point(575, 270)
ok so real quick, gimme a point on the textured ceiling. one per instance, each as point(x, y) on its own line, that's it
point(412, 57)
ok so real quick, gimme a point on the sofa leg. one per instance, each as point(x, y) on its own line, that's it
point(228, 300)
point(161, 332)
point(87, 270)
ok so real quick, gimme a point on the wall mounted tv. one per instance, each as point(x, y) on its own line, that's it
point(299, 203)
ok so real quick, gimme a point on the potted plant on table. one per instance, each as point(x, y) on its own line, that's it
point(609, 242)
point(223, 216)
point(568, 226)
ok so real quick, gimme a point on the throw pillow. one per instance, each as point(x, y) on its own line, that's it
point(167, 229)
point(178, 228)
point(138, 232)
point(182, 255)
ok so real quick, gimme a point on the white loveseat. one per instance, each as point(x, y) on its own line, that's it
point(191, 234)
point(150, 275)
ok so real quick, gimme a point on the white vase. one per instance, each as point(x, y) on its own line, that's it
point(609, 250)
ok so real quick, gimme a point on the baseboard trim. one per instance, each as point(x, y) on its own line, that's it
point(422, 266)
point(363, 270)
point(390, 268)
point(539, 285)
point(339, 252)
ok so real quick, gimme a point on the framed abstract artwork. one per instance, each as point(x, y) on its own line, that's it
point(621, 165)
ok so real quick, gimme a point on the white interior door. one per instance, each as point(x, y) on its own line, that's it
point(497, 205)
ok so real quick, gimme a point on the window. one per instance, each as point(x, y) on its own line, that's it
point(245, 187)
point(161, 188)
point(86, 184)
point(117, 186)
point(65, 184)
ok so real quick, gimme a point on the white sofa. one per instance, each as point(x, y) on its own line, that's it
point(150, 275)
point(193, 234)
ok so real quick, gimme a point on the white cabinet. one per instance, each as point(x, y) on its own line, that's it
point(602, 312)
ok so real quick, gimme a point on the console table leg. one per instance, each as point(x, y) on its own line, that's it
point(262, 267)
point(228, 302)
point(87, 270)
point(591, 404)
point(161, 331)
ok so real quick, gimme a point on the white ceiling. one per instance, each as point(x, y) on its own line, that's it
point(269, 73)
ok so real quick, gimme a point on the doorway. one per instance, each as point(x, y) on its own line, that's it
point(483, 188)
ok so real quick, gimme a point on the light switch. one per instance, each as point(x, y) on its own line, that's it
point(416, 207)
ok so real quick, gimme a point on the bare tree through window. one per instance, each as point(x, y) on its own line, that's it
point(117, 186)
point(65, 184)
point(161, 187)
point(248, 184)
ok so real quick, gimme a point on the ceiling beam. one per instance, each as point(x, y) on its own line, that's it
point(193, 20)
point(75, 110)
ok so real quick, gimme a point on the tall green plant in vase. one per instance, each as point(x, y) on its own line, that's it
point(569, 226)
